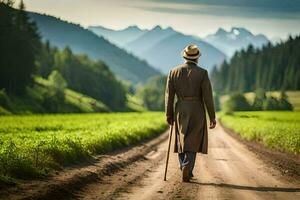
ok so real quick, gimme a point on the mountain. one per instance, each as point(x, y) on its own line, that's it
point(166, 53)
point(148, 40)
point(118, 37)
point(162, 48)
point(82, 41)
point(235, 39)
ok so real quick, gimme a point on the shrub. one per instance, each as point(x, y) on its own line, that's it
point(236, 102)
point(271, 103)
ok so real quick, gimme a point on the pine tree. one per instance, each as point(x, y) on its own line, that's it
point(18, 46)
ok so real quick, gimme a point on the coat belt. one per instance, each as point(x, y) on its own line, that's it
point(189, 98)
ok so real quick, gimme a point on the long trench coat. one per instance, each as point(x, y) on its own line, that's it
point(192, 88)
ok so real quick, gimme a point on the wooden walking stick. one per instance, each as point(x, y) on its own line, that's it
point(167, 161)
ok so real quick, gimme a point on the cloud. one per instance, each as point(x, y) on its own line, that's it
point(275, 5)
point(287, 9)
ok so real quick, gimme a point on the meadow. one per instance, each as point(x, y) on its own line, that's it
point(279, 130)
point(33, 145)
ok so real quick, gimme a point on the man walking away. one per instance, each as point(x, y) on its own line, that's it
point(192, 87)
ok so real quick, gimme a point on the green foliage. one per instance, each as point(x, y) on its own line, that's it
point(153, 93)
point(92, 78)
point(32, 145)
point(134, 103)
point(58, 99)
point(259, 99)
point(277, 130)
point(58, 83)
point(270, 68)
point(236, 102)
point(45, 60)
point(18, 38)
point(43, 97)
point(284, 103)
point(272, 103)
point(217, 102)
point(4, 99)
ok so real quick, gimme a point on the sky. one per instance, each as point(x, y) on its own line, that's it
point(274, 18)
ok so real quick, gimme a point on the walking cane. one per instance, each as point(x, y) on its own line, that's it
point(167, 162)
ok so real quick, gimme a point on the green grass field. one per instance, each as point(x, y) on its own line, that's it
point(276, 130)
point(34, 144)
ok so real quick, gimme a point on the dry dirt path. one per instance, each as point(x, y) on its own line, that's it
point(229, 171)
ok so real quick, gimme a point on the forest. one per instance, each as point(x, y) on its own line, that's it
point(274, 67)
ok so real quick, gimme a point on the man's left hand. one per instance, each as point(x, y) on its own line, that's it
point(213, 124)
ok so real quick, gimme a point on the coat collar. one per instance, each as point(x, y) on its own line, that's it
point(191, 62)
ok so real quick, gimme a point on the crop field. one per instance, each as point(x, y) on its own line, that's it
point(32, 145)
point(276, 130)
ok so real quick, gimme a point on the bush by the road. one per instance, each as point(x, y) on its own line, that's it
point(236, 102)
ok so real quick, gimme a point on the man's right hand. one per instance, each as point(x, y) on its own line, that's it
point(212, 124)
point(170, 121)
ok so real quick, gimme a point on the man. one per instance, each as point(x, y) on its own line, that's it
point(191, 85)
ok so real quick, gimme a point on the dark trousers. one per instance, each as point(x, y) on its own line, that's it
point(187, 158)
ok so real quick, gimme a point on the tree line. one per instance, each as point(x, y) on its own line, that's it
point(274, 67)
point(24, 56)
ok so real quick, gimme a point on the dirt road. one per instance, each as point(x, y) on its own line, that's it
point(229, 171)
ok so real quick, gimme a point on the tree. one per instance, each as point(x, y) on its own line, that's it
point(19, 43)
point(57, 81)
point(45, 60)
point(153, 93)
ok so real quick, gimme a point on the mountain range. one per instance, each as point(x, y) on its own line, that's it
point(162, 48)
point(82, 41)
point(119, 37)
point(236, 39)
point(131, 52)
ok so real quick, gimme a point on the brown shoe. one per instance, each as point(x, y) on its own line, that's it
point(185, 174)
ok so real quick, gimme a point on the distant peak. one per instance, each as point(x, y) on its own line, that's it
point(157, 28)
point(220, 31)
point(240, 31)
point(133, 27)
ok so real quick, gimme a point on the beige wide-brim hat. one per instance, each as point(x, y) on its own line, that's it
point(191, 52)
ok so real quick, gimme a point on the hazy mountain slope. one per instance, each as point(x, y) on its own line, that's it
point(148, 40)
point(118, 37)
point(167, 53)
point(234, 40)
point(61, 33)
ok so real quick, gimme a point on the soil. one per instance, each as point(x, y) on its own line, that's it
point(230, 170)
